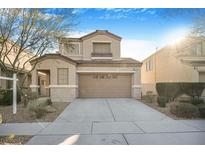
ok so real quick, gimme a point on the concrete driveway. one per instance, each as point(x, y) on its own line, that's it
point(118, 121)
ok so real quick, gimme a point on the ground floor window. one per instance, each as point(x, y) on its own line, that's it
point(62, 76)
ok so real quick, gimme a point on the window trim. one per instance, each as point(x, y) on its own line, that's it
point(58, 76)
point(149, 65)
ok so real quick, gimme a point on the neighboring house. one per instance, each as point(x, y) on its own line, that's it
point(180, 62)
point(23, 58)
point(87, 67)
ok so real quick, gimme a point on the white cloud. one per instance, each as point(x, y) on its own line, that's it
point(77, 34)
point(117, 13)
point(137, 49)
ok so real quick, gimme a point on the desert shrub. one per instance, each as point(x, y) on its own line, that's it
point(184, 110)
point(161, 100)
point(37, 107)
point(149, 97)
point(40, 112)
point(202, 110)
point(196, 101)
point(49, 102)
point(7, 97)
point(33, 95)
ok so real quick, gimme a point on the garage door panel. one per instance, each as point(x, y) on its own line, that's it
point(112, 85)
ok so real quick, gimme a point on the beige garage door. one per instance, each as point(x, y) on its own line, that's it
point(104, 85)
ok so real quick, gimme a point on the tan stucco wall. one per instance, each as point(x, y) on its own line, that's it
point(87, 45)
point(22, 59)
point(57, 92)
point(171, 69)
point(53, 65)
point(167, 67)
point(136, 84)
point(72, 56)
point(63, 94)
point(68, 92)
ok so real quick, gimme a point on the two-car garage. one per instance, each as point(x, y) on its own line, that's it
point(101, 85)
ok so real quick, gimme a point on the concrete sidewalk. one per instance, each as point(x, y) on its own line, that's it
point(122, 133)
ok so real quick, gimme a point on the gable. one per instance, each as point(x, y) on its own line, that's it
point(54, 57)
point(101, 32)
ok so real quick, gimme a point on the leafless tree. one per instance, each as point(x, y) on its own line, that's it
point(30, 33)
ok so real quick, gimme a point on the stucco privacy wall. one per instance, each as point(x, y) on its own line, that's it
point(88, 45)
point(58, 93)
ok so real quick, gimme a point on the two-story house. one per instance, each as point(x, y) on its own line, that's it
point(180, 62)
point(87, 67)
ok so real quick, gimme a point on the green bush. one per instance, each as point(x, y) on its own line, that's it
point(171, 90)
point(196, 101)
point(202, 110)
point(184, 98)
point(168, 90)
point(7, 98)
point(161, 100)
point(193, 89)
point(184, 110)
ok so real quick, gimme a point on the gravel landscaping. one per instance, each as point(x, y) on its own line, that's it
point(24, 116)
point(17, 140)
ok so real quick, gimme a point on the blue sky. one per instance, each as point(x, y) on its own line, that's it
point(143, 30)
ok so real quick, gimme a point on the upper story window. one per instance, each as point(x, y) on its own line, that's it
point(101, 47)
point(72, 48)
point(149, 65)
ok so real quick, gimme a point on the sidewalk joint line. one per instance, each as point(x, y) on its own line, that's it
point(125, 139)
